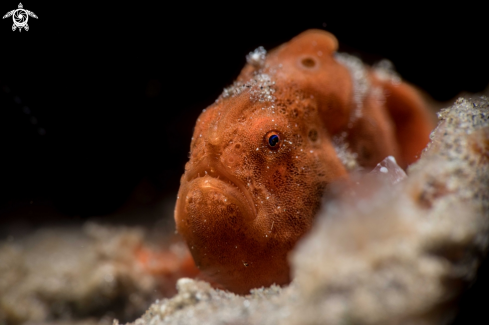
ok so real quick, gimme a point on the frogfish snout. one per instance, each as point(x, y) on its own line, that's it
point(209, 192)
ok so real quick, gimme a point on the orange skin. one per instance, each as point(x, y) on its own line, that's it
point(243, 203)
point(166, 266)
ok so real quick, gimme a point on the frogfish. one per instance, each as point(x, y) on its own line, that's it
point(296, 119)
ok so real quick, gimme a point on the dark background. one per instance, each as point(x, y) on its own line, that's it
point(98, 102)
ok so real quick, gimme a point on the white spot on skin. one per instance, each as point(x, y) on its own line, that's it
point(384, 70)
point(383, 170)
point(392, 159)
point(361, 83)
point(257, 57)
point(261, 88)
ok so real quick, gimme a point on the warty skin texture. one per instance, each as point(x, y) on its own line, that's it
point(243, 204)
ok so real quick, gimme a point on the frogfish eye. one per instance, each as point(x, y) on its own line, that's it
point(273, 140)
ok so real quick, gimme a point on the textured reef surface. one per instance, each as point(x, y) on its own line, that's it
point(385, 249)
point(72, 274)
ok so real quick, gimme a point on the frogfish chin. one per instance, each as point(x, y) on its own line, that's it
point(296, 120)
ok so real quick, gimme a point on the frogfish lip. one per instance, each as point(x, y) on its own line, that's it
point(212, 176)
point(207, 190)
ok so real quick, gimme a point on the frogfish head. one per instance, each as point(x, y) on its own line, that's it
point(260, 160)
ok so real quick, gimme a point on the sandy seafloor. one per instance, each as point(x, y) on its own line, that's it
point(379, 253)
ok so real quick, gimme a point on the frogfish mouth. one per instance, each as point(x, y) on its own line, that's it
point(261, 156)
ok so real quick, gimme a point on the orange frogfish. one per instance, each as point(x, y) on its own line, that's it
point(296, 119)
